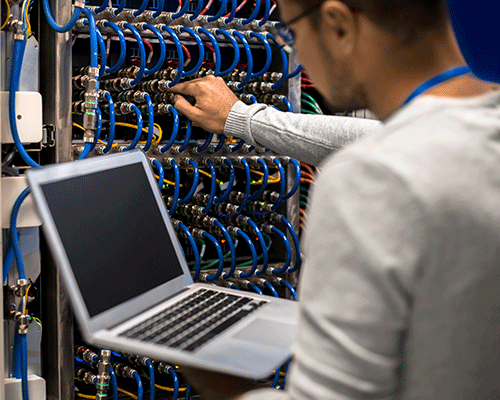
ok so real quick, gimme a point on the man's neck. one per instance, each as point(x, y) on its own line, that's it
point(415, 66)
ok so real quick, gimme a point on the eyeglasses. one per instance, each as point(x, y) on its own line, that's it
point(283, 35)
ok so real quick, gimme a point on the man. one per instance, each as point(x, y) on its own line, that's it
point(399, 293)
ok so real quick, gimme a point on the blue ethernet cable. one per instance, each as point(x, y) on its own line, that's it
point(295, 239)
point(276, 378)
point(180, 53)
point(52, 22)
point(141, 9)
point(271, 288)
point(175, 378)
point(187, 394)
point(284, 61)
point(14, 237)
point(265, 180)
point(288, 249)
point(214, 241)
point(24, 366)
point(187, 136)
point(151, 370)
point(248, 178)
point(159, 9)
point(114, 383)
point(111, 112)
point(138, 132)
point(151, 122)
point(94, 62)
point(220, 145)
point(102, 52)
point(194, 247)
point(142, 51)
point(287, 104)
point(236, 49)
point(297, 179)
point(255, 288)
point(219, 13)
point(232, 14)
point(196, 178)
point(15, 74)
point(97, 132)
point(267, 11)
point(290, 288)
point(230, 182)
point(213, 185)
point(236, 147)
point(120, 7)
point(197, 11)
point(161, 173)
point(287, 367)
point(254, 14)
point(177, 181)
point(7, 262)
point(102, 7)
point(175, 130)
point(230, 243)
point(282, 183)
point(183, 10)
point(163, 48)
point(215, 45)
point(205, 144)
point(248, 52)
point(138, 379)
point(201, 50)
point(269, 54)
point(121, 40)
point(255, 258)
point(258, 233)
point(297, 71)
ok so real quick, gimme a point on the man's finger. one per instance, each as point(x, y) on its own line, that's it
point(187, 109)
point(189, 88)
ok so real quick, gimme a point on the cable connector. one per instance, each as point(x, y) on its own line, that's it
point(22, 328)
point(124, 371)
point(164, 368)
point(17, 27)
point(21, 287)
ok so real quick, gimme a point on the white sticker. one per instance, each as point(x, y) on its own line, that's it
point(199, 187)
point(224, 185)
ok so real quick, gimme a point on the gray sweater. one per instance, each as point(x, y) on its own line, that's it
point(399, 294)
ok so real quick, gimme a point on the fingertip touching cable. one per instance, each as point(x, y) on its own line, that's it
point(175, 129)
point(138, 132)
point(218, 248)
point(230, 182)
point(196, 178)
point(297, 179)
point(201, 49)
point(213, 185)
point(161, 173)
point(236, 49)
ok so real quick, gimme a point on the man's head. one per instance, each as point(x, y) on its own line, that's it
point(348, 45)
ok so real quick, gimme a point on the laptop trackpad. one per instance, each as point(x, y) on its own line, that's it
point(266, 331)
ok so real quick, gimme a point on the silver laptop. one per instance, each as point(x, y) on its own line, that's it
point(128, 279)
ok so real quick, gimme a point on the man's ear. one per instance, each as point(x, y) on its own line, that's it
point(339, 20)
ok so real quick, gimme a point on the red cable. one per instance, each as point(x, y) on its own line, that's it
point(238, 8)
point(207, 7)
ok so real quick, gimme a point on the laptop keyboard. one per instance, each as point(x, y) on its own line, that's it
point(194, 320)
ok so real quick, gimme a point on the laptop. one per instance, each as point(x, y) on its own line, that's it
point(128, 280)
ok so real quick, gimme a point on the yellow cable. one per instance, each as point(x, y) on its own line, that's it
point(86, 396)
point(28, 24)
point(167, 389)
point(167, 181)
point(8, 15)
point(128, 393)
point(206, 174)
point(26, 298)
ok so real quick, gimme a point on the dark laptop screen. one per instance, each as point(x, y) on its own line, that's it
point(114, 235)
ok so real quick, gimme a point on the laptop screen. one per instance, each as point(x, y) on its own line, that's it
point(114, 235)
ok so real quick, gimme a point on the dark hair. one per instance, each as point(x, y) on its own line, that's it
point(405, 19)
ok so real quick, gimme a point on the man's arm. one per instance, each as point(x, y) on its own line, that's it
point(305, 137)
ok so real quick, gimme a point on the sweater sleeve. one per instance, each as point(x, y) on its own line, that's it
point(309, 138)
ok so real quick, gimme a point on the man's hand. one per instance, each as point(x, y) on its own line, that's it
point(212, 102)
point(217, 386)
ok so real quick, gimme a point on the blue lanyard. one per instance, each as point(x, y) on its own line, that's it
point(438, 79)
